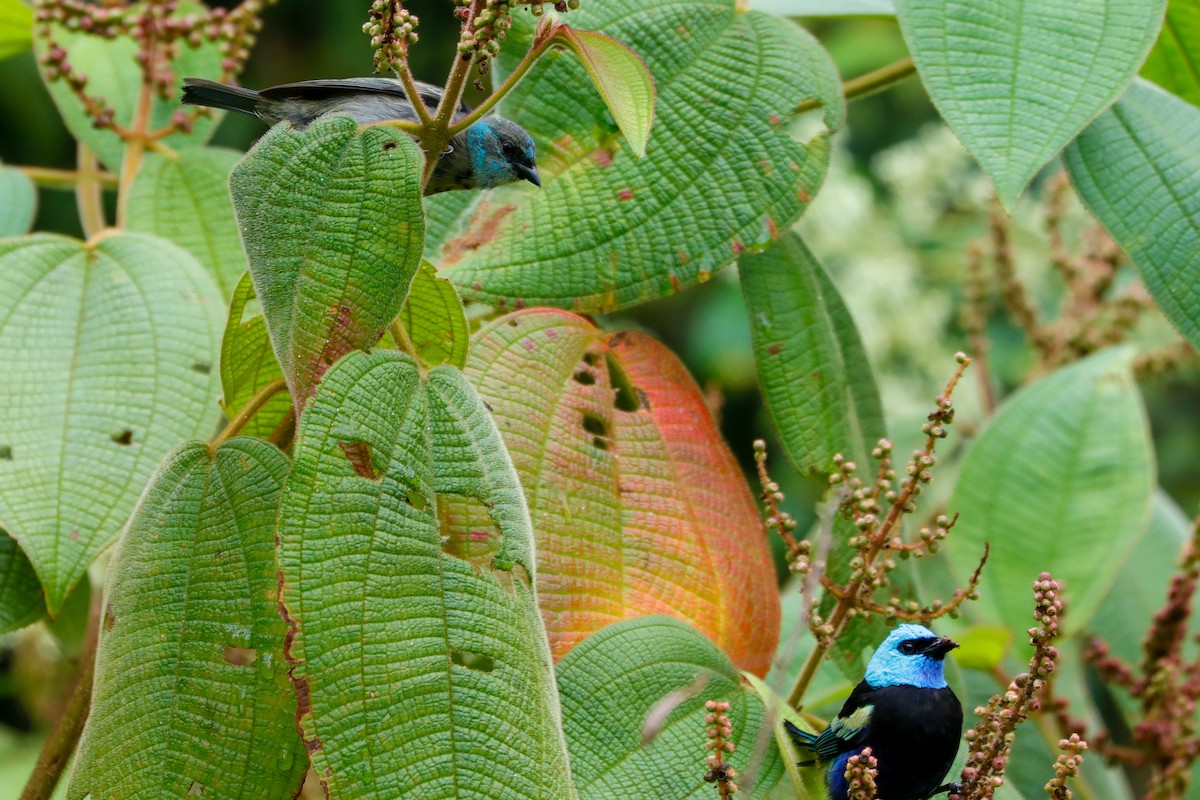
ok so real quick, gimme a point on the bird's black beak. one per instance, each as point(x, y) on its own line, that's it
point(940, 647)
point(528, 173)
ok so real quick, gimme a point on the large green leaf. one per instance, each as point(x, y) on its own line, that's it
point(16, 28)
point(185, 198)
point(113, 75)
point(1137, 170)
point(18, 201)
point(1174, 63)
point(619, 677)
point(333, 225)
point(414, 667)
point(434, 319)
point(248, 364)
point(641, 508)
point(20, 593)
point(107, 352)
point(814, 374)
point(1018, 79)
point(721, 173)
point(192, 697)
point(1060, 480)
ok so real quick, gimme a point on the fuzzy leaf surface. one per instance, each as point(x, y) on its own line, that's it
point(434, 318)
point(1174, 63)
point(20, 593)
point(186, 199)
point(813, 370)
point(640, 506)
point(415, 667)
point(191, 695)
point(986, 64)
point(1137, 170)
point(617, 678)
point(1060, 480)
point(18, 202)
point(332, 222)
point(108, 355)
point(248, 364)
point(721, 173)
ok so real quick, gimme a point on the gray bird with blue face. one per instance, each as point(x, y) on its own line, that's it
point(492, 152)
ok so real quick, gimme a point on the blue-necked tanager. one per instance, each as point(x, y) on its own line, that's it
point(904, 711)
point(492, 152)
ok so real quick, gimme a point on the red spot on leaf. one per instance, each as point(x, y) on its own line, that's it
point(565, 143)
point(803, 196)
point(74, 534)
point(519, 303)
point(484, 226)
point(478, 536)
point(602, 156)
point(626, 194)
point(529, 345)
point(772, 228)
point(359, 456)
point(775, 349)
point(551, 333)
point(738, 248)
point(774, 120)
point(683, 257)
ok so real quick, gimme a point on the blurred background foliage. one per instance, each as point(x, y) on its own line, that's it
point(893, 223)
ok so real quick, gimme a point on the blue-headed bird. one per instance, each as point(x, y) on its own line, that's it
point(490, 153)
point(904, 711)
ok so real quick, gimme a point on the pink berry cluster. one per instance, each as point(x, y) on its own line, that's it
point(720, 733)
point(860, 775)
point(1066, 766)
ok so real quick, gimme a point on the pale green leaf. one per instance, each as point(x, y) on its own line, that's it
point(722, 172)
point(248, 364)
point(16, 28)
point(191, 695)
point(18, 201)
point(1174, 63)
point(185, 198)
point(658, 672)
point(416, 667)
point(333, 226)
point(825, 8)
point(434, 318)
point(983, 647)
point(815, 377)
point(807, 783)
point(1060, 480)
point(1018, 79)
point(1137, 169)
point(20, 593)
point(108, 354)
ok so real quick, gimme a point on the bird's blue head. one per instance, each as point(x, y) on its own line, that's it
point(911, 655)
point(501, 152)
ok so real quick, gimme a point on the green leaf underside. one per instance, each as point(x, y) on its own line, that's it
point(815, 377)
point(112, 70)
point(986, 64)
point(20, 593)
point(807, 783)
point(192, 697)
point(107, 354)
point(185, 198)
point(434, 318)
point(1174, 63)
point(1137, 170)
point(1060, 479)
point(415, 668)
point(16, 28)
point(248, 364)
point(721, 173)
point(18, 201)
point(616, 677)
point(623, 81)
point(332, 222)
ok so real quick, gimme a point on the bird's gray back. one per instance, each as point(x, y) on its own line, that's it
point(367, 100)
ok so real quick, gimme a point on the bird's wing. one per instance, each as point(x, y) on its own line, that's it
point(848, 730)
point(316, 90)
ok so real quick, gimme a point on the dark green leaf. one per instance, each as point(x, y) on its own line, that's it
point(20, 593)
point(434, 318)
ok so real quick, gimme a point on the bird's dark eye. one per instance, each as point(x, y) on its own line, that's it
point(908, 648)
point(509, 149)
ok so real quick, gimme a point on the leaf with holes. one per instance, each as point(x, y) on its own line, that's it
point(434, 319)
point(814, 374)
point(191, 695)
point(649, 678)
point(1138, 171)
point(1060, 479)
point(16, 28)
point(1174, 63)
point(333, 225)
point(415, 664)
point(248, 363)
point(640, 506)
point(721, 174)
point(111, 67)
point(18, 202)
point(987, 64)
point(20, 593)
point(185, 198)
point(107, 351)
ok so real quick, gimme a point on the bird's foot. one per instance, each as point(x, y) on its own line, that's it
point(947, 788)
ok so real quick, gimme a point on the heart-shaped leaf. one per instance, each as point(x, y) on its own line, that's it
point(1138, 171)
point(722, 172)
point(333, 225)
point(640, 506)
point(191, 696)
point(108, 354)
point(1174, 63)
point(414, 666)
point(1018, 79)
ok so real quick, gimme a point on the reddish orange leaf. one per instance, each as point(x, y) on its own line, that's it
point(637, 504)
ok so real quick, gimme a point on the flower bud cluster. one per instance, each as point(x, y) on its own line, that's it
point(720, 733)
point(1066, 766)
point(392, 29)
point(861, 771)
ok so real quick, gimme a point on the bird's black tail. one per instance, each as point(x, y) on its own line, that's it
point(802, 739)
point(203, 92)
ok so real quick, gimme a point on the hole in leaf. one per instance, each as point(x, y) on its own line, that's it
point(627, 395)
point(359, 456)
point(585, 378)
point(416, 499)
point(594, 425)
point(389, 146)
point(6, 452)
point(600, 444)
point(240, 656)
point(468, 530)
point(196, 789)
point(591, 359)
point(476, 661)
point(124, 438)
point(202, 368)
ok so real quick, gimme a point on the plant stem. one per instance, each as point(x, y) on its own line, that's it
point(50, 178)
point(89, 193)
point(414, 95)
point(251, 408)
point(135, 148)
point(66, 731)
point(500, 91)
point(872, 82)
point(404, 342)
point(437, 135)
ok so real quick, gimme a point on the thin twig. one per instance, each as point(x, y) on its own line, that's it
point(869, 84)
point(89, 193)
point(247, 411)
point(51, 178)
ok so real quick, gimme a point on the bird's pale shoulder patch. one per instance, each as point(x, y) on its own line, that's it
point(848, 726)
